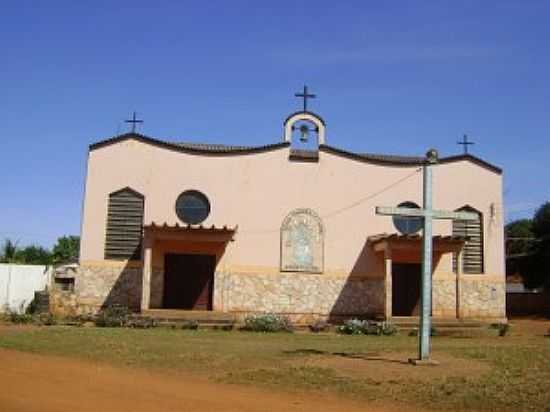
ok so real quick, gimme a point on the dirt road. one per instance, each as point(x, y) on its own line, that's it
point(30, 382)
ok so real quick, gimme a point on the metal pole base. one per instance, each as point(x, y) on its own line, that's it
point(423, 362)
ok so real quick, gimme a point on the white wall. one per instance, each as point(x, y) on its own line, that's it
point(18, 284)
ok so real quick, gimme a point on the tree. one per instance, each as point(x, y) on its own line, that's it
point(8, 251)
point(66, 250)
point(519, 236)
point(535, 268)
point(541, 221)
point(33, 255)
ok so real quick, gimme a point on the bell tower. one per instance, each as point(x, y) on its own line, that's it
point(304, 122)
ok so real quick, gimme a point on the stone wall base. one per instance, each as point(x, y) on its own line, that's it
point(298, 295)
point(479, 297)
point(97, 287)
point(482, 297)
point(302, 297)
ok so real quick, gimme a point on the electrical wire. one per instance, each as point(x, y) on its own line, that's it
point(345, 208)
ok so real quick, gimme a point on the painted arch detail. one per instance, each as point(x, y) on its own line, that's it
point(302, 242)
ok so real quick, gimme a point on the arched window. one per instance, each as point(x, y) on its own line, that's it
point(302, 242)
point(473, 259)
point(124, 225)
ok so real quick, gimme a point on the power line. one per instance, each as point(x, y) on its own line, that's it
point(371, 196)
point(345, 208)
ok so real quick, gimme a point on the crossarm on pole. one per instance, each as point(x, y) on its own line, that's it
point(436, 214)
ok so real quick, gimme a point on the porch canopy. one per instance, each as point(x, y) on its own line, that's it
point(193, 232)
point(158, 234)
point(385, 242)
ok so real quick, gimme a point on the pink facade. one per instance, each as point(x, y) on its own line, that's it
point(251, 191)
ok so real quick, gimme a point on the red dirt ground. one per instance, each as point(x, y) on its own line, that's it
point(31, 382)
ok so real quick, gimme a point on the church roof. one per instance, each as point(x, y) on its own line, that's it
point(223, 149)
point(188, 146)
point(375, 157)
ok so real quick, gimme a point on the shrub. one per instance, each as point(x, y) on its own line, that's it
point(318, 326)
point(113, 316)
point(227, 328)
point(141, 323)
point(503, 328)
point(389, 329)
point(45, 319)
point(190, 325)
point(269, 322)
point(365, 327)
point(20, 318)
point(33, 306)
point(353, 327)
point(23, 317)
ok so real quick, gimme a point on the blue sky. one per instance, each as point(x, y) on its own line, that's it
point(391, 77)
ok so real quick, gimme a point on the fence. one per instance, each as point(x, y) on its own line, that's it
point(18, 284)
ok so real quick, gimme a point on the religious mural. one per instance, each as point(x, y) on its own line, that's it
point(302, 242)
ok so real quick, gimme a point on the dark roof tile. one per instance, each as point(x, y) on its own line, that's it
point(297, 154)
point(199, 148)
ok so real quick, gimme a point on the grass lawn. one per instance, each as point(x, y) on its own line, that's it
point(509, 373)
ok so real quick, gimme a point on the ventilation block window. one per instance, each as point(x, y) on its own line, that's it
point(65, 284)
point(472, 230)
point(124, 225)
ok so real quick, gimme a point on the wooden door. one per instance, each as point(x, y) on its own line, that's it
point(405, 289)
point(188, 281)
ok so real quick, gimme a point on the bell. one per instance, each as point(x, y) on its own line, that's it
point(304, 132)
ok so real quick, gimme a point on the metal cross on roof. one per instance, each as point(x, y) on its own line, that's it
point(465, 142)
point(305, 95)
point(133, 121)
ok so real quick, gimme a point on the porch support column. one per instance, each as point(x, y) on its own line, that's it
point(388, 282)
point(459, 270)
point(147, 269)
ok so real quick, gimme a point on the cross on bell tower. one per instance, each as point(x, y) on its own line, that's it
point(465, 143)
point(304, 121)
point(133, 121)
point(305, 95)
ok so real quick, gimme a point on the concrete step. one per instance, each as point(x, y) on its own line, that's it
point(405, 322)
point(458, 332)
point(191, 325)
point(202, 317)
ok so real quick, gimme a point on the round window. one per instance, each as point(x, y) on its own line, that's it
point(407, 225)
point(192, 207)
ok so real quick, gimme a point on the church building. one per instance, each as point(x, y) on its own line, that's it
point(289, 228)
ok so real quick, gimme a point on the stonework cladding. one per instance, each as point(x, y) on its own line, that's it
point(482, 296)
point(98, 286)
point(157, 288)
point(444, 297)
point(301, 296)
point(64, 303)
point(298, 295)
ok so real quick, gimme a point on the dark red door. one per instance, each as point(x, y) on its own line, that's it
point(188, 281)
point(405, 289)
